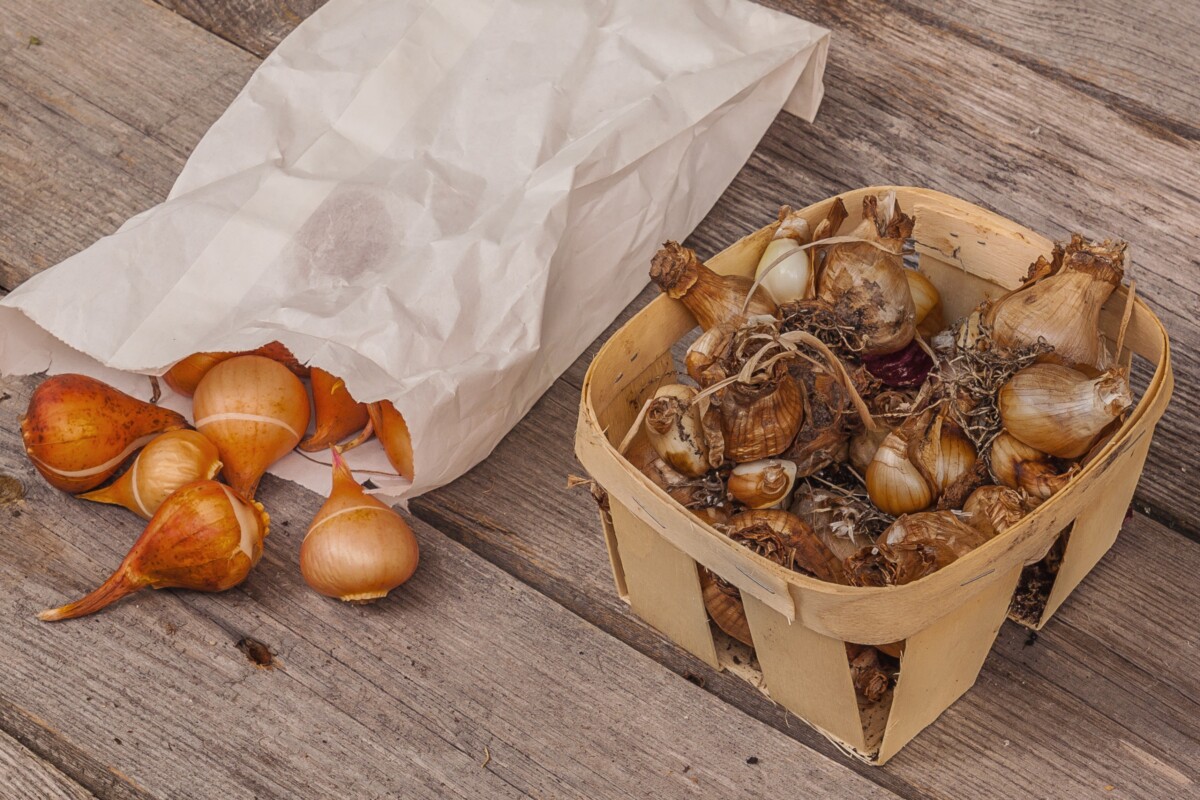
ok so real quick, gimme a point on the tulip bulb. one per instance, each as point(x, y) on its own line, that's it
point(255, 411)
point(169, 462)
point(392, 430)
point(185, 376)
point(1019, 466)
point(204, 537)
point(675, 430)
point(338, 415)
point(357, 548)
point(710, 297)
point(762, 484)
point(78, 431)
point(1061, 411)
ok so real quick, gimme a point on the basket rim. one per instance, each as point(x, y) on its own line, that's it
point(963, 570)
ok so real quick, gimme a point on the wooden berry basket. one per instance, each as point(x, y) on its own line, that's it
point(948, 620)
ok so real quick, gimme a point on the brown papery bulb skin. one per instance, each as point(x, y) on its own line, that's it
point(357, 548)
point(1064, 308)
point(674, 428)
point(339, 416)
point(894, 484)
point(711, 298)
point(762, 484)
point(205, 537)
point(995, 509)
point(185, 376)
point(78, 430)
point(1061, 411)
point(169, 462)
point(760, 420)
point(867, 286)
point(1019, 466)
point(255, 411)
point(917, 545)
point(392, 431)
point(927, 303)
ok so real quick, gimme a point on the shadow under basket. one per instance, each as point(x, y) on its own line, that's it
point(800, 625)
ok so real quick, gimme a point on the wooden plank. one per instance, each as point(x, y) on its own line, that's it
point(254, 25)
point(407, 696)
point(551, 524)
point(23, 775)
point(663, 585)
point(95, 122)
point(1139, 60)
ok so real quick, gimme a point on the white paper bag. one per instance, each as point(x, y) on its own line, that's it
point(441, 201)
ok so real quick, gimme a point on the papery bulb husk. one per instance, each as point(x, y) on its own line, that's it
point(927, 303)
point(942, 452)
point(765, 483)
point(675, 429)
point(78, 431)
point(917, 545)
point(995, 509)
point(823, 438)
point(357, 548)
point(785, 539)
point(338, 415)
point(1019, 466)
point(169, 462)
point(205, 537)
point(865, 443)
point(761, 420)
point(836, 519)
point(867, 286)
point(871, 681)
point(1064, 308)
point(185, 376)
point(1061, 411)
point(255, 411)
point(791, 275)
point(705, 356)
point(970, 332)
point(725, 608)
point(705, 497)
point(392, 432)
point(711, 298)
point(895, 484)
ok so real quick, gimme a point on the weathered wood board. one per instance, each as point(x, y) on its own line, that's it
point(1034, 120)
point(24, 775)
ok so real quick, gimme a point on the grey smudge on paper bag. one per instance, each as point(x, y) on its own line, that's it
point(345, 238)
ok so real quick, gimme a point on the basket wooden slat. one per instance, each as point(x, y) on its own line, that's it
point(947, 620)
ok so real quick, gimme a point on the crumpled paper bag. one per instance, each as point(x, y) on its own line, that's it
point(441, 201)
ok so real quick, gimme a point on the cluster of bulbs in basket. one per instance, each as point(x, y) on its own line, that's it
point(250, 410)
point(834, 424)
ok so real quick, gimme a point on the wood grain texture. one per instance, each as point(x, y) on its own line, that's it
point(404, 698)
point(254, 25)
point(96, 121)
point(493, 508)
point(1142, 59)
point(24, 775)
